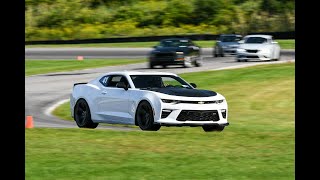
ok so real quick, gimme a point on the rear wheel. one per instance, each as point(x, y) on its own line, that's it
point(151, 65)
point(209, 128)
point(145, 118)
point(82, 115)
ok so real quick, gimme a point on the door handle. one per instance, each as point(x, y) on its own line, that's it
point(104, 92)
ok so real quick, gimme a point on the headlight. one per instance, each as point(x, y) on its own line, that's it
point(240, 50)
point(180, 56)
point(219, 101)
point(170, 101)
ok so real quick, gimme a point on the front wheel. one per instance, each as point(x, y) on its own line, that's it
point(82, 115)
point(145, 118)
point(151, 65)
point(209, 128)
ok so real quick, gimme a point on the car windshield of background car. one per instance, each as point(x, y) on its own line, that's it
point(174, 43)
point(158, 81)
point(229, 39)
point(256, 40)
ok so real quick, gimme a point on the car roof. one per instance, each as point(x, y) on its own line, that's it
point(259, 35)
point(138, 73)
point(231, 35)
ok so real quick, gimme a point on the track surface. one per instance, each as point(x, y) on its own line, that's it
point(101, 53)
point(43, 91)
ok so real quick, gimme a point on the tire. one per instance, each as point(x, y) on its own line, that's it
point(151, 65)
point(197, 64)
point(82, 115)
point(145, 118)
point(210, 128)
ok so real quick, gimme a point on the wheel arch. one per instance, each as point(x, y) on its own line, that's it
point(143, 100)
point(74, 108)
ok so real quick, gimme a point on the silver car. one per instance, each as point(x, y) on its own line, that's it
point(226, 44)
point(258, 47)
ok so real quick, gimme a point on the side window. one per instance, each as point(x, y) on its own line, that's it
point(113, 80)
point(104, 80)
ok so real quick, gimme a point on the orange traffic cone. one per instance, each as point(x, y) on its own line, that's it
point(79, 58)
point(29, 123)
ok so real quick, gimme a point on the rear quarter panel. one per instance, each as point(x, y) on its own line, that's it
point(86, 92)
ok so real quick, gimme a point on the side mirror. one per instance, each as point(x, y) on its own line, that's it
point(193, 85)
point(154, 46)
point(122, 85)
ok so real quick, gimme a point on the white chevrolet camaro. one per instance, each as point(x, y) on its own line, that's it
point(147, 99)
point(258, 47)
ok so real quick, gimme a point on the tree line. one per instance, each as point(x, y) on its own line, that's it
point(82, 19)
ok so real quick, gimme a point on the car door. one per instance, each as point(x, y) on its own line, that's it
point(112, 102)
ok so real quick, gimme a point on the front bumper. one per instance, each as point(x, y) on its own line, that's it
point(193, 114)
point(231, 51)
point(255, 56)
point(168, 61)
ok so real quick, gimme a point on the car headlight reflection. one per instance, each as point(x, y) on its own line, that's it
point(170, 101)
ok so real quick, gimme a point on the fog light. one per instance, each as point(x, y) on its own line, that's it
point(165, 113)
point(224, 113)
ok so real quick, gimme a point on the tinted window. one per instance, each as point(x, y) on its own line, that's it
point(158, 81)
point(104, 80)
point(113, 80)
point(229, 39)
point(256, 40)
point(175, 43)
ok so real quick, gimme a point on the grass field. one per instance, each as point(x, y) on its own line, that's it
point(258, 144)
point(284, 44)
point(33, 67)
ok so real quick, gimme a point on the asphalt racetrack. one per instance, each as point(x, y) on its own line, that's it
point(46, 90)
point(102, 53)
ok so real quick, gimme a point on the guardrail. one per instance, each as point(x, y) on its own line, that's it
point(276, 35)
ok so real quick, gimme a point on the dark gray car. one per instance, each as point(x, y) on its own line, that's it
point(226, 44)
point(175, 51)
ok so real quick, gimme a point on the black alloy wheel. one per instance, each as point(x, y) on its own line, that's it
point(82, 115)
point(145, 118)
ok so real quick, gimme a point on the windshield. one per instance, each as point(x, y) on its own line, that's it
point(158, 81)
point(175, 43)
point(229, 39)
point(255, 40)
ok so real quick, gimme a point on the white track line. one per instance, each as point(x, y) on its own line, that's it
point(54, 106)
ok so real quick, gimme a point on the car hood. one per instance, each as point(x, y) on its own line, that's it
point(185, 92)
point(253, 46)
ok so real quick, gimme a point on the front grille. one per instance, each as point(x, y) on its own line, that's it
point(192, 115)
point(251, 50)
point(165, 56)
point(165, 113)
point(252, 56)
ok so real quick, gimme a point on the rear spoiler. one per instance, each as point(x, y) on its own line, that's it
point(79, 83)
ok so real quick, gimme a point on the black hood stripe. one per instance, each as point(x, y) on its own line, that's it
point(185, 92)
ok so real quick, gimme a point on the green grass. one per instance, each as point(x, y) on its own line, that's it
point(284, 44)
point(258, 144)
point(33, 67)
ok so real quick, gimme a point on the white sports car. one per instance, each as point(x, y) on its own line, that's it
point(146, 99)
point(258, 47)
